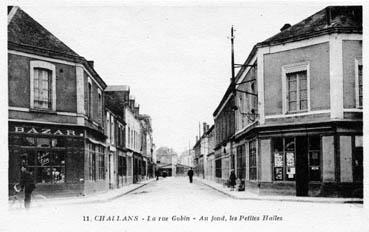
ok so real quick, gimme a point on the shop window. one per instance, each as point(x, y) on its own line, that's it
point(92, 162)
point(47, 167)
point(218, 168)
point(29, 141)
point(252, 160)
point(284, 159)
point(58, 142)
point(122, 166)
point(43, 142)
point(101, 166)
point(314, 158)
point(358, 159)
point(241, 161)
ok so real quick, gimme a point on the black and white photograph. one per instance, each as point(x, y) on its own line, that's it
point(184, 116)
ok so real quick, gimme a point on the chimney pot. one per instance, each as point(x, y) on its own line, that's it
point(91, 63)
point(285, 26)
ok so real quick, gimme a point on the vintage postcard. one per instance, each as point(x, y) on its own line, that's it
point(184, 116)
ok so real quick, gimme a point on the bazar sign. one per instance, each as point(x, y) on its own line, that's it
point(46, 131)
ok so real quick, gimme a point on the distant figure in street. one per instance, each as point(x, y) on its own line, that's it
point(232, 180)
point(27, 184)
point(157, 174)
point(190, 174)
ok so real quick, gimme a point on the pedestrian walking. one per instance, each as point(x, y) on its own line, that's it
point(232, 180)
point(157, 174)
point(27, 184)
point(190, 174)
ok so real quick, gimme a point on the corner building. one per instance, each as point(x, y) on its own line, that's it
point(56, 112)
point(301, 134)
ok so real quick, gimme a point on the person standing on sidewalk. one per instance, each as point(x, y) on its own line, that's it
point(232, 180)
point(190, 174)
point(27, 184)
point(157, 174)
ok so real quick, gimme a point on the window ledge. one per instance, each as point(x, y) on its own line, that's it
point(296, 112)
point(46, 111)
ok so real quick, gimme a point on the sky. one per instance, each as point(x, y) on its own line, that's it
point(175, 57)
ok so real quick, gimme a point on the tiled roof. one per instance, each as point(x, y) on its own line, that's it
point(332, 19)
point(23, 30)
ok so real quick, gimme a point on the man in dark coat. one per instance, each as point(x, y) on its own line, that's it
point(232, 180)
point(190, 174)
point(27, 184)
point(157, 174)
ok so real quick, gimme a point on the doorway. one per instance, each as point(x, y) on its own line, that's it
point(302, 171)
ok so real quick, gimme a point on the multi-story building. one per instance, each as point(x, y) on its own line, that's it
point(117, 158)
point(120, 99)
point(56, 111)
point(209, 153)
point(300, 130)
point(147, 145)
point(224, 124)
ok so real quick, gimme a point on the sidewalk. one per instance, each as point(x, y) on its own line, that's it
point(247, 195)
point(93, 198)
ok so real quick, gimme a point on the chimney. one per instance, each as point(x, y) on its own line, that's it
point(91, 63)
point(204, 125)
point(328, 15)
point(285, 27)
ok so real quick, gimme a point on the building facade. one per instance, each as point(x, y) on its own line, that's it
point(302, 134)
point(56, 111)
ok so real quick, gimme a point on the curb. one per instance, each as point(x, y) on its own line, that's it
point(61, 201)
point(307, 200)
point(110, 198)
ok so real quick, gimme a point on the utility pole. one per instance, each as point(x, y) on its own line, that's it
point(233, 84)
point(233, 87)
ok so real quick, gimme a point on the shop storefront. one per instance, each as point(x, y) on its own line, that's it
point(61, 158)
point(313, 160)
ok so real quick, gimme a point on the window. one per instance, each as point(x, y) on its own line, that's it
point(284, 159)
point(295, 88)
point(91, 162)
point(108, 125)
point(359, 82)
point(101, 164)
point(42, 85)
point(46, 166)
point(297, 91)
point(358, 159)
point(129, 137)
point(218, 168)
point(241, 161)
point(252, 160)
point(89, 100)
point(314, 158)
point(112, 133)
point(100, 110)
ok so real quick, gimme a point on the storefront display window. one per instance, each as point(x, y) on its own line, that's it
point(314, 158)
point(252, 157)
point(46, 166)
point(358, 159)
point(284, 159)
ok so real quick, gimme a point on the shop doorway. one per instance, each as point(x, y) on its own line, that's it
point(302, 171)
